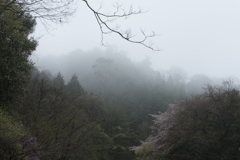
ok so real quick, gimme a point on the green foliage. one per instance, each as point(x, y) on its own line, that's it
point(9, 132)
point(207, 126)
point(134, 91)
point(12, 136)
point(58, 81)
point(148, 153)
point(73, 123)
point(68, 123)
point(94, 106)
point(74, 87)
point(16, 47)
point(117, 126)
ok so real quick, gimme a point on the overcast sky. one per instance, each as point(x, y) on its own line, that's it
point(201, 36)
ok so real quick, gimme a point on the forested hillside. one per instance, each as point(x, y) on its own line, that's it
point(100, 105)
point(132, 89)
point(134, 85)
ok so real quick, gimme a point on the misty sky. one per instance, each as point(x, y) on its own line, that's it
point(202, 37)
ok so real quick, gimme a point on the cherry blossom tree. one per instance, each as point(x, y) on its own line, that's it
point(163, 123)
point(205, 126)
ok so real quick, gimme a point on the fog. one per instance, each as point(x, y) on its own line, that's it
point(200, 37)
point(77, 99)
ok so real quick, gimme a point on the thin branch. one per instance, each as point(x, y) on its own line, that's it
point(127, 34)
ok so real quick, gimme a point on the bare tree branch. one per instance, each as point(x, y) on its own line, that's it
point(126, 34)
point(58, 11)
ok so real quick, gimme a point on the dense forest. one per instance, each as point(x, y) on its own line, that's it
point(100, 105)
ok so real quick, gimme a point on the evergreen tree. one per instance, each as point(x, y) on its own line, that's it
point(74, 86)
point(15, 49)
point(58, 81)
point(117, 126)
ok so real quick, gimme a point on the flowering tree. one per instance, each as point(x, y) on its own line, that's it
point(206, 126)
point(15, 141)
point(163, 123)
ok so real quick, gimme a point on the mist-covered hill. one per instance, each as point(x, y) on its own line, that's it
point(118, 80)
point(105, 72)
